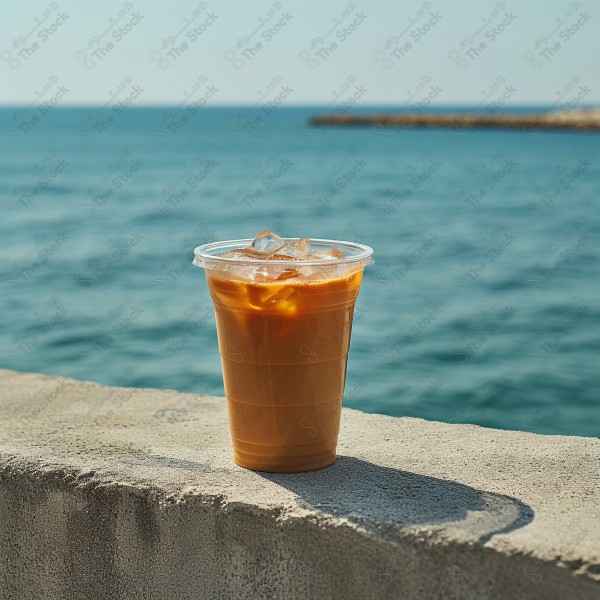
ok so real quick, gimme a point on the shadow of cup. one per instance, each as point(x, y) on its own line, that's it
point(386, 500)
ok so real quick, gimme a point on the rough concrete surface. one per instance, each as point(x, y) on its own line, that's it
point(131, 493)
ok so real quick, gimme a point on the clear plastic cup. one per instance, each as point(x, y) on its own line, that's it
point(284, 331)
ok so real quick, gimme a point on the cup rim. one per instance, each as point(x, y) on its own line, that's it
point(203, 258)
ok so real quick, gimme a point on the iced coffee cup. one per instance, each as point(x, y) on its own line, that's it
point(284, 311)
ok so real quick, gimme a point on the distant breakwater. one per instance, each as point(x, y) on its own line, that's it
point(583, 120)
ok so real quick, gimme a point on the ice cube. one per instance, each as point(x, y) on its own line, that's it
point(261, 275)
point(267, 242)
point(287, 274)
point(316, 272)
point(332, 254)
point(281, 257)
point(308, 271)
point(297, 249)
point(266, 274)
point(239, 253)
point(282, 300)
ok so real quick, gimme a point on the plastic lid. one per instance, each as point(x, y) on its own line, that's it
point(207, 255)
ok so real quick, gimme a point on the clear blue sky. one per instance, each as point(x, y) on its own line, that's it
point(376, 52)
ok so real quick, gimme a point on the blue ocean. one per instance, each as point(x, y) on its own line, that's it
point(481, 306)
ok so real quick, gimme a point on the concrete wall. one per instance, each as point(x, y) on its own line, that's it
point(132, 493)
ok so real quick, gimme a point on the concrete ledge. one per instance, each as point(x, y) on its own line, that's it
point(132, 493)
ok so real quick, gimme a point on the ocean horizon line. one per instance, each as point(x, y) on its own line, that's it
point(360, 107)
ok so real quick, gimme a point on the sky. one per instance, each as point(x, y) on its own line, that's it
point(335, 53)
